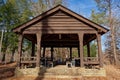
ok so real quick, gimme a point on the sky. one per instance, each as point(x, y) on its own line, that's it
point(84, 8)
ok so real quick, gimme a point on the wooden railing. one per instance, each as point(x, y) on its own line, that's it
point(91, 60)
point(28, 59)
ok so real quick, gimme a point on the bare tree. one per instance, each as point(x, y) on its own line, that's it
point(110, 7)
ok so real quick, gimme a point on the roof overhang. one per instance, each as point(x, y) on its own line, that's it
point(99, 28)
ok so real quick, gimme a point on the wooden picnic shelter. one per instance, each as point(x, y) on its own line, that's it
point(60, 27)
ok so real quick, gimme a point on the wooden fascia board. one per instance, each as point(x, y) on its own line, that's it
point(84, 19)
point(62, 8)
point(18, 29)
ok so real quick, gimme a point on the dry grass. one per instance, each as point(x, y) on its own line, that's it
point(112, 72)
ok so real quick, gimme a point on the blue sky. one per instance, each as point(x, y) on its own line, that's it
point(82, 7)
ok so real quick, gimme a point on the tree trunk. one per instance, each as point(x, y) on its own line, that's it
point(113, 43)
point(12, 57)
point(3, 58)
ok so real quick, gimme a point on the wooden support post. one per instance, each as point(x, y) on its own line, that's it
point(52, 53)
point(20, 48)
point(33, 49)
point(44, 48)
point(79, 52)
point(99, 49)
point(81, 48)
point(88, 49)
point(38, 49)
point(70, 53)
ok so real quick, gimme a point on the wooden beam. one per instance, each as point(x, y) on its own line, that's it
point(61, 45)
point(52, 53)
point(20, 47)
point(33, 49)
point(96, 63)
point(87, 40)
point(58, 31)
point(44, 48)
point(81, 48)
point(88, 49)
point(70, 53)
point(78, 52)
point(38, 48)
point(99, 49)
point(60, 26)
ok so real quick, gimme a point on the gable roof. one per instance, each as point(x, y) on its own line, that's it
point(64, 9)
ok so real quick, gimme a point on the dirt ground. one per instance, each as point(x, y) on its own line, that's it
point(7, 70)
point(7, 73)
